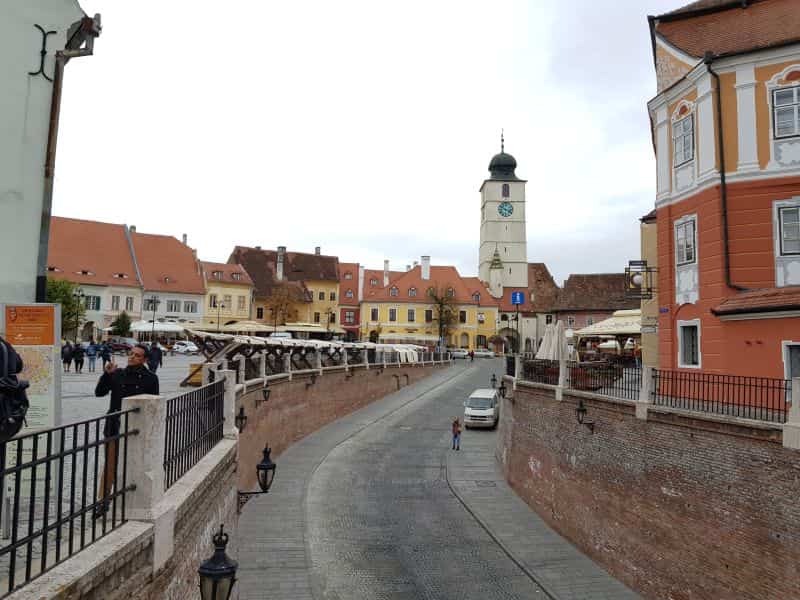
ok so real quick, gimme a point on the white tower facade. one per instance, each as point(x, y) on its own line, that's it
point(503, 226)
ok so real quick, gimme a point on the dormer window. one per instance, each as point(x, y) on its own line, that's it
point(348, 275)
point(373, 282)
point(412, 292)
point(216, 274)
point(683, 140)
point(451, 292)
point(394, 291)
point(236, 276)
point(348, 294)
point(84, 272)
point(121, 275)
point(54, 269)
point(431, 291)
point(476, 297)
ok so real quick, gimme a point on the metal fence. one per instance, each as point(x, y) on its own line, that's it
point(64, 488)
point(607, 378)
point(540, 371)
point(760, 398)
point(194, 426)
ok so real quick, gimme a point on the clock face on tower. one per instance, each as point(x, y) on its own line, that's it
point(505, 209)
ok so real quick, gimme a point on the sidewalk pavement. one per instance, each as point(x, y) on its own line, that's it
point(553, 562)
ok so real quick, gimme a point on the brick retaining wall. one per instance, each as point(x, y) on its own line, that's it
point(677, 506)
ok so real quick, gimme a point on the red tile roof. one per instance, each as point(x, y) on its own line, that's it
point(370, 274)
point(441, 279)
point(167, 265)
point(728, 28)
point(100, 250)
point(760, 301)
point(595, 291)
point(298, 267)
point(475, 286)
point(227, 273)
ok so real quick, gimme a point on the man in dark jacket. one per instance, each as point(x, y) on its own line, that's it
point(14, 403)
point(133, 380)
point(155, 358)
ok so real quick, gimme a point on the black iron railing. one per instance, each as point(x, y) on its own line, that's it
point(607, 378)
point(540, 371)
point(64, 489)
point(761, 398)
point(194, 426)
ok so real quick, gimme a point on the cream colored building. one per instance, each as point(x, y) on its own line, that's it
point(229, 294)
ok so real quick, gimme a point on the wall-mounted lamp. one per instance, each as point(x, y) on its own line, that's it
point(265, 392)
point(580, 413)
point(494, 381)
point(265, 471)
point(241, 420)
point(218, 573)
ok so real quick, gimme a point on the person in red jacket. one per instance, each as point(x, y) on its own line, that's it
point(456, 434)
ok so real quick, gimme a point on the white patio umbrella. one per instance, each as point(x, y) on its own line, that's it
point(546, 348)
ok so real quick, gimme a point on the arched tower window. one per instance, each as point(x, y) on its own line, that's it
point(506, 191)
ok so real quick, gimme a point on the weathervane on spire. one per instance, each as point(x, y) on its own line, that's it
point(502, 140)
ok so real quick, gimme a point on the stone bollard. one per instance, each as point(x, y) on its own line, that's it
point(241, 370)
point(345, 361)
point(562, 379)
point(287, 364)
point(145, 469)
point(229, 410)
point(791, 429)
point(262, 365)
point(318, 360)
point(644, 402)
point(206, 371)
point(366, 359)
point(517, 369)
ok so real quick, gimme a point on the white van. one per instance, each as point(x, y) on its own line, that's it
point(482, 409)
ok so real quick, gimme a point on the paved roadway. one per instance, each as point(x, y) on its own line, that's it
point(377, 506)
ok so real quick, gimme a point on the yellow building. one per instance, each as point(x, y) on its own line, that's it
point(229, 292)
point(404, 312)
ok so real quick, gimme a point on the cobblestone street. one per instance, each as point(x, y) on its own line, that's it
point(377, 505)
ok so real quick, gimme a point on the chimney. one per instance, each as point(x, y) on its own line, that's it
point(385, 272)
point(426, 267)
point(281, 256)
point(132, 228)
point(317, 250)
point(258, 247)
point(360, 282)
point(415, 264)
point(184, 239)
point(408, 268)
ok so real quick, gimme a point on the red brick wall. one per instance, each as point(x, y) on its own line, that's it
point(677, 508)
point(294, 410)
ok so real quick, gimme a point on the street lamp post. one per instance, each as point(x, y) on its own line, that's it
point(154, 302)
point(79, 297)
point(220, 306)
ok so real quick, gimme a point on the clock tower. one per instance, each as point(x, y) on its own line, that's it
point(503, 250)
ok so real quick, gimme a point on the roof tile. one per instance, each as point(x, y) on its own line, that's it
point(167, 265)
point(759, 301)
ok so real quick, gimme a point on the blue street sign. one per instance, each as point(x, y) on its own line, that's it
point(517, 297)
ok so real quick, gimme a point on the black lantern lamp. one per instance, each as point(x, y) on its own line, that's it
point(494, 381)
point(241, 420)
point(580, 413)
point(265, 392)
point(265, 472)
point(218, 573)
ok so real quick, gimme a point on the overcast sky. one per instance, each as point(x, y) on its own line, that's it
point(364, 127)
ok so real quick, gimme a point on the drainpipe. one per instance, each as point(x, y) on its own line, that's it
point(85, 30)
point(708, 58)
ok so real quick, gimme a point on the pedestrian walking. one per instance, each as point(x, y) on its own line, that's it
point(91, 355)
point(78, 352)
point(156, 358)
point(132, 380)
point(471, 356)
point(456, 434)
point(105, 353)
point(66, 356)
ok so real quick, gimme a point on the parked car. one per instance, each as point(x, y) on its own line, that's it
point(458, 353)
point(185, 347)
point(482, 409)
point(118, 347)
point(483, 353)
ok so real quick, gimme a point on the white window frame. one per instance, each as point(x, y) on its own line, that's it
point(392, 312)
point(690, 323)
point(348, 294)
point(190, 306)
point(373, 282)
point(175, 303)
point(412, 292)
point(780, 228)
point(394, 292)
point(349, 317)
point(348, 275)
point(680, 225)
point(114, 302)
point(129, 303)
point(375, 312)
point(92, 302)
point(679, 132)
point(785, 345)
point(241, 303)
point(212, 301)
point(412, 315)
point(794, 105)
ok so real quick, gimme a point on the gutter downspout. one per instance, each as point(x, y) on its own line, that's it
point(708, 58)
point(88, 30)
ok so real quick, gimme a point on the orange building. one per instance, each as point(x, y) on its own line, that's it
point(726, 131)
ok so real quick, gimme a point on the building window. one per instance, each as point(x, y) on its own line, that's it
point(348, 275)
point(348, 294)
point(332, 296)
point(216, 274)
point(92, 302)
point(173, 306)
point(349, 317)
point(149, 305)
point(685, 242)
point(373, 282)
point(462, 316)
point(393, 314)
point(431, 292)
point(241, 302)
point(571, 321)
point(316, 317)
point(683, 140)
point(190, 306)
point(114, 302)
point(790, 230)
point(590, 320)
point(236, 276)
point(227, 300)
point(476, 297)
point(394, 291)
point(412, 292)
point(429, 316)
point(480, 341)
point(689, 344)
point(260, 312)
point(504, 317)
point(128, 302)
point(332, 318)
point(481, 317)
point(451, 292)
point(321, 296)
point(373, 314)
point(548, 319)
point(786, 111)
point(411, 315)
point(506, 190)
point(212, 301)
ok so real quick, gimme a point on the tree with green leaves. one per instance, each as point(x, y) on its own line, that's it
point(445, 312)
point(73, 310)
point(121, 326)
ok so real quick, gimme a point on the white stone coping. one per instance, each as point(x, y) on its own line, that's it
point(90, 563)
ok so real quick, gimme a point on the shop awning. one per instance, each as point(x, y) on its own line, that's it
point(419, 337)
point(622, 322)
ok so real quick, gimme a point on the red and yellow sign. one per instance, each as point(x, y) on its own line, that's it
point(30, 325)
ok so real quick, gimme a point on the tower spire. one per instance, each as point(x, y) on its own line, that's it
point(502, 141)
